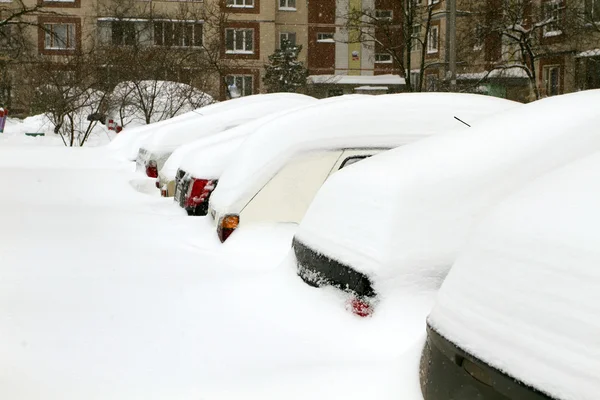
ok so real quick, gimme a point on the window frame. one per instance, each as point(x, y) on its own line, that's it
point(245, 41)
point(244, 5)
point(244, 77)
point(416, 40)
point(287, 34)
point(552, 9)
point(326, 40)
point(71, 36)
point(287, 6)
point(548, 87)
point(183, 26)
point(430, 48)
point(387, 18)
point(388, 61)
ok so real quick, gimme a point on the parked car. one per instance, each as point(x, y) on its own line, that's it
point(518, 316)
point(280, 167)
point(397, 221)
point(195, 151)
point(202, 162)
point(157, 147)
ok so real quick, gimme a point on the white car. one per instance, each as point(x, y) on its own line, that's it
point(396, 222)
point(518, 316)
point(157, 147)
point(280, 167)
point(192, 172)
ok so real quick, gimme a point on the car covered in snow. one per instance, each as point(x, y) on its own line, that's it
point(199, 151)
point(201, 163)
point(281, 166)
point(399, 219)
point(157, 147)
point(518, 316)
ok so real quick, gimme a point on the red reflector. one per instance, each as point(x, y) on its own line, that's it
point(163, 192)
point(157, 183)
point(361, 308)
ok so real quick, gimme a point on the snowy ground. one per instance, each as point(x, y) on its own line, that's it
point(108, 291)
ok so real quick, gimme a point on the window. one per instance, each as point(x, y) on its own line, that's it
point(239, 41)
point(59, 36)
point(240, 3)
point(592, 10)
point(243, 83)
point(433, 40)
point(415, 79)
point(287, 4)
point(325, 38)
point(352, 160)
point(552, 80)
point(123, 33)
point(384, 15)
point(177, 33)
point(416, 37)
point(552, 14)
point(383, 58)
point(288, 37)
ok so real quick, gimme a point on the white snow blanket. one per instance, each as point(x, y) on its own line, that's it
point(524, 295)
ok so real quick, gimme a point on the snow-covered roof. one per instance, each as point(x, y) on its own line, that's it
point(416, 204)
point(388, 79)
point(224, 116)
point(524, 295)
point(589, 53)
point(383, 121)
point(510, 72)
point(371, 88)
point(192, 156)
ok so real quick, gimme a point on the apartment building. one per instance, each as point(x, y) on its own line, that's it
point(517, 49)
point(243, 33)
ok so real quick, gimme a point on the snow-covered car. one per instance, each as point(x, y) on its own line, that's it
point(201, 163)
point(399, 219)
point(518, 316)
point(157, 147)
point(280, 167)
point(199, 151)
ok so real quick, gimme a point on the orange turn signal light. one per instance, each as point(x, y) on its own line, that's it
point(230, 222)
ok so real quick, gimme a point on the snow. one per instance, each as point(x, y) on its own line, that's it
point(357, 79)
point(417, 204)
point(384, 88)
point(109, 293)
point(510, 71)
point(523, 295)
point(383, 121)
point(14, 133)
point(589, 53)
point(162, 143)
point(221, 146)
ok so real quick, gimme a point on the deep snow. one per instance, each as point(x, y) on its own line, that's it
point(110, 293)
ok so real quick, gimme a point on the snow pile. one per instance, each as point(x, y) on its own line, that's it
point(524, 295)
point(133, 102)
point(229, 114)
point(192, 156)
point(15, 130)
point(416, 204)
point(357, 79)
point(370, 122)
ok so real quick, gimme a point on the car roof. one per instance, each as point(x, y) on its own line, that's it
point(524, 295)
point(227, 116)
point(412, 208)
point(383, 121)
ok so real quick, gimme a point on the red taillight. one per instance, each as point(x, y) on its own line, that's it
point(198, 191)
point(152, 169)
point(360, 307)
point(163, 192)
point(157, 183)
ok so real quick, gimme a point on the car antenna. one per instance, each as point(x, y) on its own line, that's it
point(460, 120)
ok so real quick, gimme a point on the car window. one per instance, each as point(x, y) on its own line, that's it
point(352, 160)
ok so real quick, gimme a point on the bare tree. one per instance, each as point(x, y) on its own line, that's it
point(400, 34)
